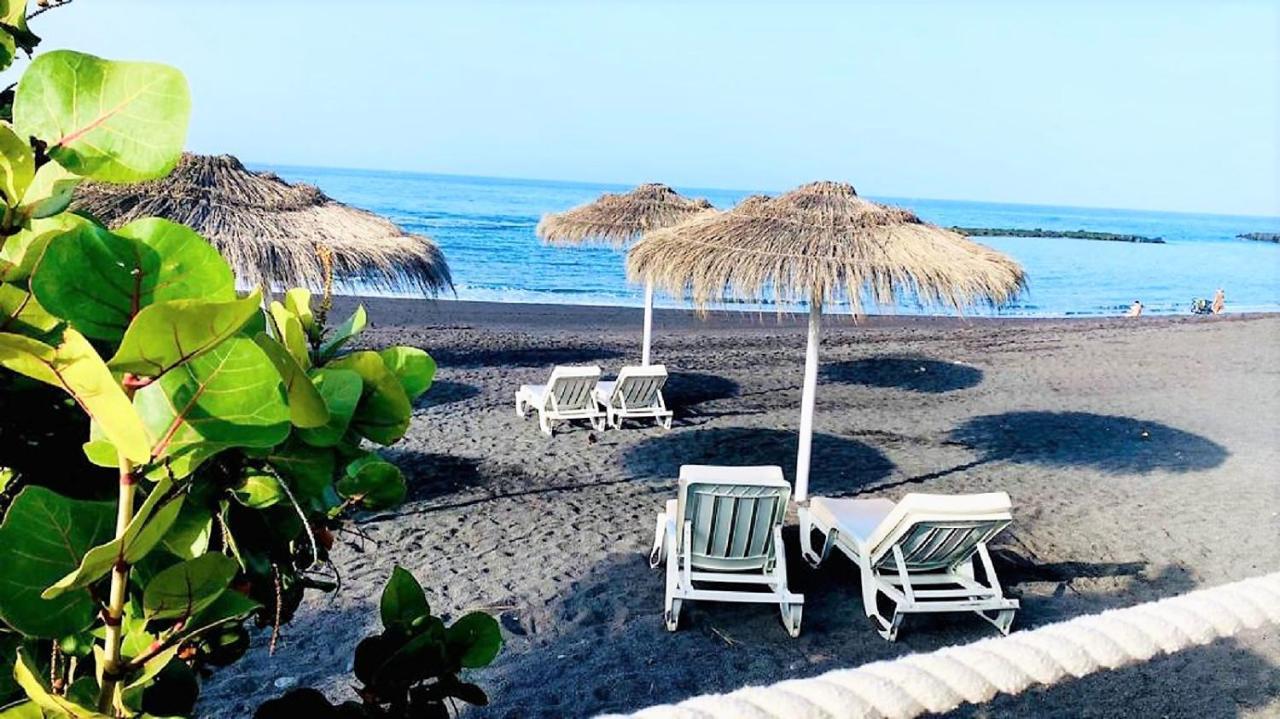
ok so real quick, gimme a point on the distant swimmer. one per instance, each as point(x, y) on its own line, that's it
point(1219, 301)
point(1135, 309)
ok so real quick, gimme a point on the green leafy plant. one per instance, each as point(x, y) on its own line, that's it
point(410, 668)
point(173, 456)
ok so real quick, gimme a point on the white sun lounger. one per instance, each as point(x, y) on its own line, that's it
point(636, 394)
point(566, 396)
point(725, 527)
point(920, 552)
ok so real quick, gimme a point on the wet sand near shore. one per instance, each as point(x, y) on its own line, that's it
point(1140, 455)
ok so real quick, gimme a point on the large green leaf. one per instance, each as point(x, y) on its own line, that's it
point(53, 704)
point(191, 531)
point(298, 302)
point(384, 411)
point(17, 165)
point(307, 470)
point(20, 312)
point(306, 406)
point(76, 367)
point(145, 530)
point(341, 390)
point(374, 482)
point(413, 367)
point(100, 280)
point(20, 253)
point(259, 491)
point(50, 192)
point(165, 335)
point(43, 537)
point(291, 334)
point(402, 600)
point(344, 332)
point(109, 121)
point(186, 588)
point(228, 397)
point(475, 639)
point(13, 15)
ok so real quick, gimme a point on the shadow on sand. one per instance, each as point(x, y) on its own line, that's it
point(686, 389)
point(1116, 445)
point(838, 464)
point(443, 392)
point(602, 646)
point(430, 475)
point(915, 374)
point(523, 357)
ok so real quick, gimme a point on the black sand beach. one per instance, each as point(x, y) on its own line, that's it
point(1140, 455)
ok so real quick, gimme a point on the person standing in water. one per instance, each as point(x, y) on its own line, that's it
point(1219, 301)
point(1135, 309)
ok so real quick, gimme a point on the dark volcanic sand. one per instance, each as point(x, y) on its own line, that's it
point(1141, 457)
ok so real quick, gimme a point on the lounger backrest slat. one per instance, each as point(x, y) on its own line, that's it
point(570, 387)
point(639, 386)
point(938, 531)
point(732, 512)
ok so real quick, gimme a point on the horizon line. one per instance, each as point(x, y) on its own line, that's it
point(629, 185)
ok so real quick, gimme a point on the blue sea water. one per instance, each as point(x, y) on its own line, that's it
point(486, 228)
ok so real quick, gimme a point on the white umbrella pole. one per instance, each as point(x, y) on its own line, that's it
point(648, 321)
point(807, 399)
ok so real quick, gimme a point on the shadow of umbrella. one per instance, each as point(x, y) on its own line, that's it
point(445, 392)
point(684, 390)
point(916, 374)
point(1116, 445)
point(839, 464)
point(524, 357)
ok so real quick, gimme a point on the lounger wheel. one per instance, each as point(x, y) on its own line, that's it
point(672, 616)
point(791, 614)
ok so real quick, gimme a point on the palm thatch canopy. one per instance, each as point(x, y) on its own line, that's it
point(618, 219)
point(821, 242)
point(271, 231)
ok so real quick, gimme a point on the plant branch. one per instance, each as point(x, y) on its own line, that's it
point(46, 8)
point(111, 670)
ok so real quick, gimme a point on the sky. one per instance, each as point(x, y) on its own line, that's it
point(1145, 105)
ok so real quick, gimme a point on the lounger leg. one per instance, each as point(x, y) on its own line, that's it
point(659, 533)
point(671, 609)
point(806, 540)
point(545, 424)
point(520, 408)
point(665, 422)
point(1003, 619)
point(887, 628)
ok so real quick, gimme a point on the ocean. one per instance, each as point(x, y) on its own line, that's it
point(485, 227)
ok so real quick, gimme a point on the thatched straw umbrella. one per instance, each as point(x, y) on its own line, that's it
point(615, 220)
point(272, 232)
point(821, 243)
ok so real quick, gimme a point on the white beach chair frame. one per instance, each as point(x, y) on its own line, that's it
point(897, 563)
point(744, 488)
point(567, 395)
point(636, 394)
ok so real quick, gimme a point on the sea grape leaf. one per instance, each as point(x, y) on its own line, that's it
point(76, 367)
point(290, 333)
point(165, 335)
point(259, 491)
point(187, 587)
point(20, 311)
point(306, 406)
point(108, 121)
point(230, 606)
point(402, 600)
point(43, 537)
point(341, 390)
point(474, 639)
point(25, 710)
point(100, 280)
point(20, 253)
point(148, 526)
point(384, 411)
point(190, 268)
point(28, 677)
point(413, 367)
point(374, 482)
point(230, 396)
point(298, 301)
point(8, 50)
point(189, 536)
point(50, 191)
point(17, 165)
point(13, 16)
point(344, 332)
point(308, 470)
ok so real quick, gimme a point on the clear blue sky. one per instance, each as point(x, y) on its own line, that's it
point(1161, 105)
